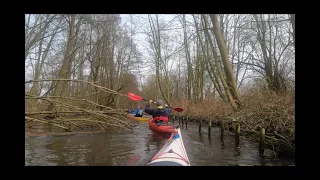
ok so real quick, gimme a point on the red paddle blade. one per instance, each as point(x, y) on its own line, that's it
point(178, 109)
point(134, 97)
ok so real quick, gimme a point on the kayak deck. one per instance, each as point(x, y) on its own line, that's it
point(164, 163)
point(173, 153)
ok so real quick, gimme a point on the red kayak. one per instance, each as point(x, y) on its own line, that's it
point(162, 127)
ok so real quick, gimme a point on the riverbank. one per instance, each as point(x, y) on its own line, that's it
point(261, 109)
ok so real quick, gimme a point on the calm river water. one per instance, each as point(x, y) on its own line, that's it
point(125, 148)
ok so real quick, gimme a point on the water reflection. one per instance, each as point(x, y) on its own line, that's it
point(125, 148)
point(35, 154)
point(237, 151)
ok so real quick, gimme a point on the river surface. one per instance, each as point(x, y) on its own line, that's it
point(136, 147)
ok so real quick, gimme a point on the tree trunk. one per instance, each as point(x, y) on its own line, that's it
point(188, 59)
point(207, 62)
point(261, 36)
point(293, 22)
point(64, 72)
point(35, 90)
point(222, 78)
point(225, 59)
point(35, 86)
point(157, 47)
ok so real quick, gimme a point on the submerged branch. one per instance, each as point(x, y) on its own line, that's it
point(37, 120)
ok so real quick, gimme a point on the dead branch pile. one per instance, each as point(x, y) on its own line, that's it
point(261, 109)
point(273, 112)
point(65, 109)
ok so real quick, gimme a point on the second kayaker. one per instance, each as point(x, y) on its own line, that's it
point(159, 114)
point(138, 112)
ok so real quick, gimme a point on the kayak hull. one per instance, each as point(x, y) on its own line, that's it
point(173, 153)
point(161, 128)
point(144, 119)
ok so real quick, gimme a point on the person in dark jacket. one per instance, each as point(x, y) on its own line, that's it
point(169, 110)
point(129, 111)
point(159, 114)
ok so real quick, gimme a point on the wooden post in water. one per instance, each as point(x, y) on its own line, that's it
point(187, 122)
point(200, 125)
point(209, 128)
point(261, 143)
point(237, 133)
point(182, 121)
point(173, 117)
point(222, 131)
point(179, 120)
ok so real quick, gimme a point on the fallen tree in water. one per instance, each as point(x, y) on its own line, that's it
point(65, 108)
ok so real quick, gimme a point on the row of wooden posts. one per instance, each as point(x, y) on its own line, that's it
point(184, 121)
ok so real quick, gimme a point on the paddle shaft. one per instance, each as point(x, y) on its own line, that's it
point(135, 97)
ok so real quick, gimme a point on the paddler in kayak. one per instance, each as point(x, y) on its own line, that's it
point(129, 111)
point(160, 114)
point(138, 112)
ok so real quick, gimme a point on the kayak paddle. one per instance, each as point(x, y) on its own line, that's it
point(135, 97)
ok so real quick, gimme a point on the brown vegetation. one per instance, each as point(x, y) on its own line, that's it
point(88, 113)
point(261, 109)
